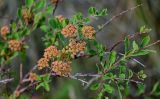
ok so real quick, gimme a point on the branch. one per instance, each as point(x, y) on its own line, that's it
point(116, 16)
point(6, 80)
point(56, 6)
point(130, 80)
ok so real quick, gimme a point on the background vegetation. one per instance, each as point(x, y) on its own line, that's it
point(61, 88)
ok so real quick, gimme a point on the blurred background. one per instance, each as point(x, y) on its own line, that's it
point(148, 14)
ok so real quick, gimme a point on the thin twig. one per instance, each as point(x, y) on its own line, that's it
point(155, 43)
point(130, 80)
point(6, 80)
point(21, 72)
point(87, 75)
point(121, 41)
point(91, 81)
point(116, 16)
point(135, 60)
point(56, 6)
point(83, 81)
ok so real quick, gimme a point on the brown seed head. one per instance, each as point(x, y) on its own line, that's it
point(27, 16)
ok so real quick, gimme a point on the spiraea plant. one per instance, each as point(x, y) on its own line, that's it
point(67, 39)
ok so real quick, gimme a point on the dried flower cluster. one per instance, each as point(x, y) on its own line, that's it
point(61, 68)
point(27, 16)
point(50, 52)
point(42, 63)
point(69, 31)
point(88, 32)
point(32, 77)
point(76, 47)
point(15, 45)
point(4, 31)
point(60, 18)
point(54, 1)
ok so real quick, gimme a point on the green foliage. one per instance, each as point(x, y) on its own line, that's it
point(115, 75)
point(143, 29)
point(43, 82)
point(94, 12)
point(29, 3)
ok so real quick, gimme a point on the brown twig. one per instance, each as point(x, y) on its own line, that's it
point(155, 43)
point(121, 41)
point(118, 15)
point(21, 72)
point(56, 6)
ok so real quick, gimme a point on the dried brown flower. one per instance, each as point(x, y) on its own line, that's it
point(15, 45)
point(27, 16)
point(54, 1)
point(42, 63)
point(88, 32)
point(61, 68)
point(60, 18)
point(51, 52)
point(4, 31)
point(32, 77)
point(76, 47)
point(69, 31)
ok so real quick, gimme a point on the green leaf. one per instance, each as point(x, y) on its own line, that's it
point(44, 28)
point(122, 69)
point(95, 86)
point(108, 88)
point(92, 52)
point(19, 13)
point(130, 73)
point(38, 17)
point(127, 44)
point(46, 86)
point(119, 92)
point(103, 12)
point(100, 95)
point(29, 3)
point(145, 41)
point(41, 4)
point(143, 29)
point(92, 10)
point(112, 57)
point(155, 87)
point(39, 86)
point(49, 10)
point(122, 76)
point(54, 23)
point(142, 52)
point(135, 46)
point(141, 89)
